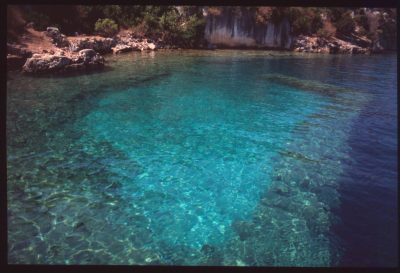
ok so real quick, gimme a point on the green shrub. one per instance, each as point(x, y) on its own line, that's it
point(362, 31)
point(345, 24)
point(301, 25)
point(362, 20)
point(277, 14)
point(193, 30)
point(184, 32)
point(106, 27)
point(304, 20)
point(388, 33)
point(41, 21)
point(316, 23)
point(335, 14)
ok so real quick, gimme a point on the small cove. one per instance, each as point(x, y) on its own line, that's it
point(186, 158)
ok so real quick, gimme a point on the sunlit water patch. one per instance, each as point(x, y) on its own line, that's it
point(189, 158)
point(204, 150)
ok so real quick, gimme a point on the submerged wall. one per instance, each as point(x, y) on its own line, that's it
point(240, 30)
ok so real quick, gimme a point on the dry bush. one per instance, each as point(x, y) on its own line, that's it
point(215, 11)
point(328, 30)
point(140, 30)
point(263, 14)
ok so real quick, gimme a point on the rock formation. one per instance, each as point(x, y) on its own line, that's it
point(324, 45)
point(97, 43)
point(128, 43)
point(60, 40)
point(46, 63)
point(232, 30)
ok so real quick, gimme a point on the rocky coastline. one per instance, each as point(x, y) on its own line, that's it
point(65, 54)
point(82, 53)
point(332, 45)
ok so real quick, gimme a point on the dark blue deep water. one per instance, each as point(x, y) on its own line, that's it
point(247, 158)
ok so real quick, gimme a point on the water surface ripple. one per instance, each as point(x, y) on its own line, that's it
point(206, 158)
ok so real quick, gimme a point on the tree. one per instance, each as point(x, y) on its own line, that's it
point(106, 27)
point(345, 25)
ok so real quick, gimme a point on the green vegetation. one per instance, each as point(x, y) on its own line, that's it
point(362, 21)
point(106, 27)
point(303, 20)
point(345, 24)
point(42, 21)
point(184, 25)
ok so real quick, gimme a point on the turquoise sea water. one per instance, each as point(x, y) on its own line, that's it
point(184, 158)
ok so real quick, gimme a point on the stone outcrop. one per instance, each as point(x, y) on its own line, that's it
point(121, 49)
point(151, 46)
point(75, 53)
point(90, 58)
point(128, 43)
point(45, 63)
point(59, 39)
point(237, 28)
point(16, 56)
point(99, 44)
point(229, 29)
point(48, 63)
point(324, 45)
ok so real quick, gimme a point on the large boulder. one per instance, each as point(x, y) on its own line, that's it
point(59, 39)
point(134, 44)
point(47, 63)
point(99, 44)
point(40, 63)
point(151, 46)
point(334, 47)
point(120, 48)
point(90, 57)
point(53, 31)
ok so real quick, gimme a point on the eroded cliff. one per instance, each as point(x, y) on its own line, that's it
point(239, 29)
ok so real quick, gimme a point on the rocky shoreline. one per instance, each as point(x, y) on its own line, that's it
point(81, 53)
point(66, 54)
point(332, 45)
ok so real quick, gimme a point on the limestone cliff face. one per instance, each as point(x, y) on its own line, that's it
point(231, 29)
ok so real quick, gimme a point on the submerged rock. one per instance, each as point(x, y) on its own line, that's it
point(243, 229)
point(282, 189)
point(308, 85)
point(45, 63)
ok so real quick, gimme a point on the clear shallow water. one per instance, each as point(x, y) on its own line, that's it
point(220, 158)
